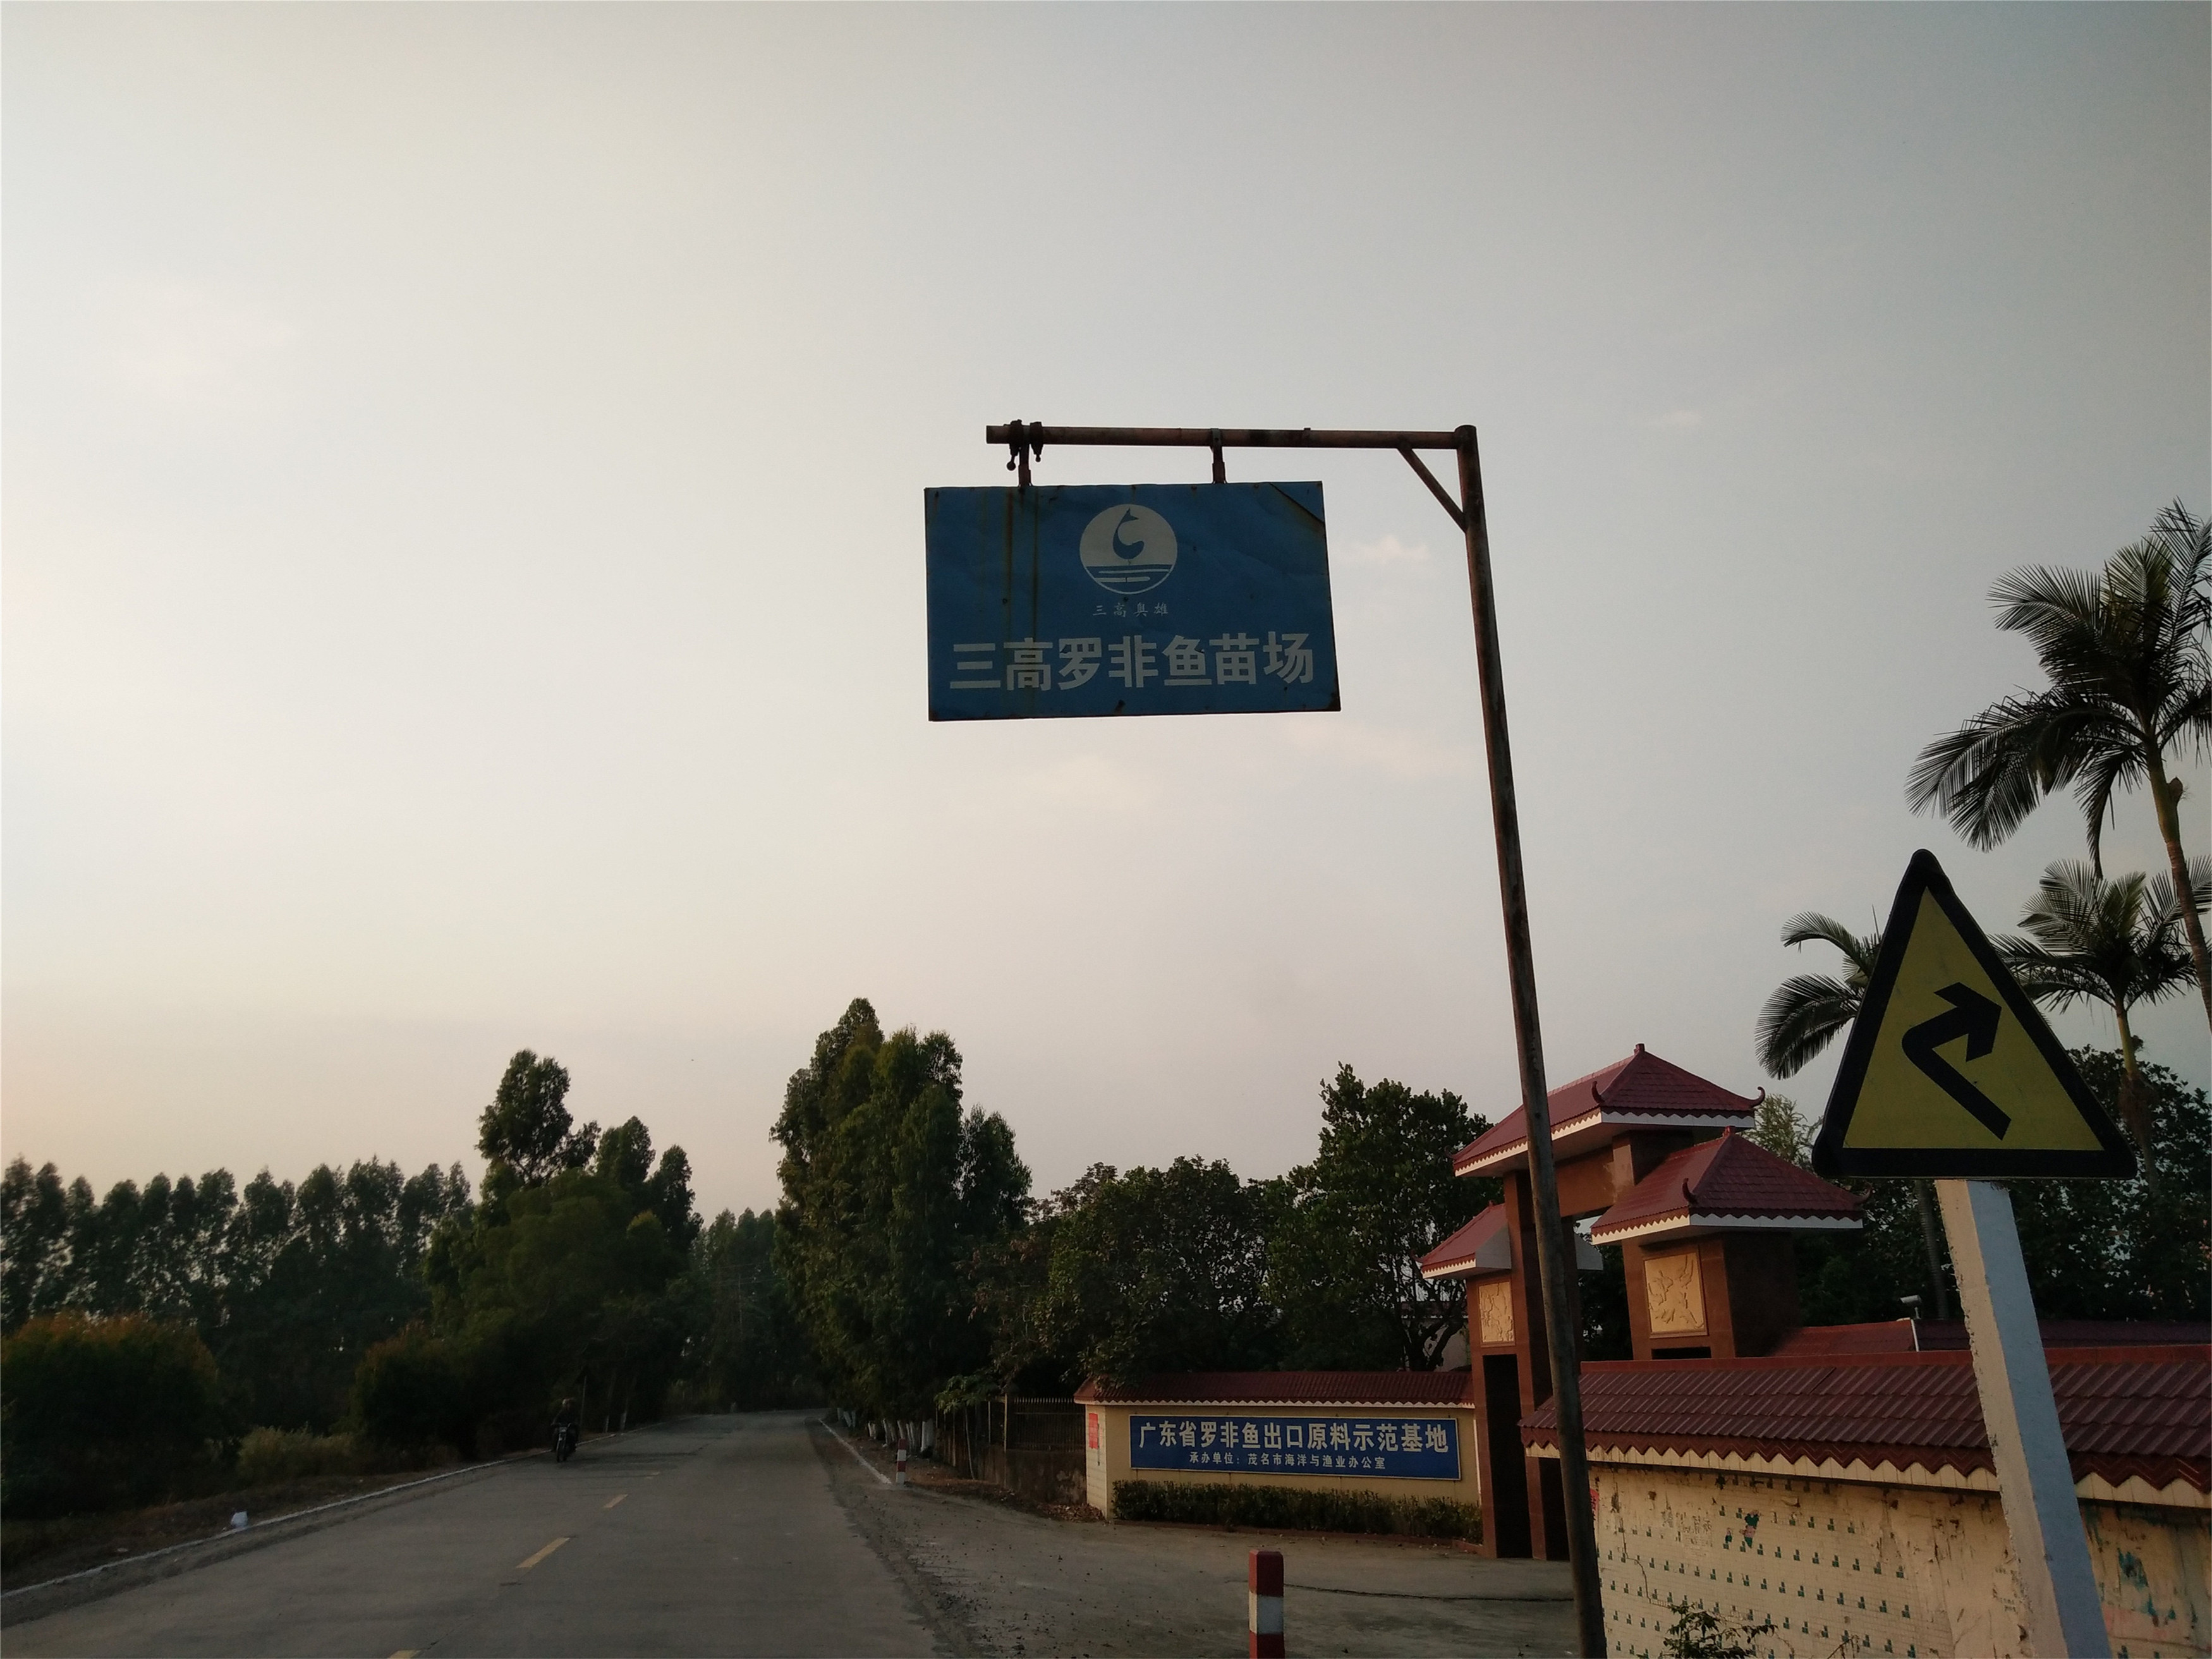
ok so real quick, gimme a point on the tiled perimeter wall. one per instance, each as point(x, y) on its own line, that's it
point(1845, 1569)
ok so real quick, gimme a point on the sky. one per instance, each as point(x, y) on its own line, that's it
point(463, 569)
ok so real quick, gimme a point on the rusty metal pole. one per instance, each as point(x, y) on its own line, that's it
point(1553, 1265)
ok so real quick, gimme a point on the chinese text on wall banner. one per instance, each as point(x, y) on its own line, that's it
point(1395, 1448)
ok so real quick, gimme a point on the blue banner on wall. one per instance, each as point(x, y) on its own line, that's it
point(1394, 1448)
point(1128, 600)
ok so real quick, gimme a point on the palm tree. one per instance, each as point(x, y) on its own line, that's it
point(2131, 680)
point(1803, 1016)
point(1807, 1010)
point(2113, 940)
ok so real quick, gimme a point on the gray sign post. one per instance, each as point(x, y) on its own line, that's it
point(1950, 1073)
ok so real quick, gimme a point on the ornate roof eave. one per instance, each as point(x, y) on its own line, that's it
point(1515, 1151)
point(1689, 1224)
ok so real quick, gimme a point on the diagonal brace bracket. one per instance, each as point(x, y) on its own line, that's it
point(1436, 489)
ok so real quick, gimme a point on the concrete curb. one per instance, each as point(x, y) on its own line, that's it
point(112, 1577)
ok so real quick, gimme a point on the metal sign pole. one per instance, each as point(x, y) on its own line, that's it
point(1028, 438)
point(2065, 1618)
point(1520, 971)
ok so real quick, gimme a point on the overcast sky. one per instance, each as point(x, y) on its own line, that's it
point(464, 540)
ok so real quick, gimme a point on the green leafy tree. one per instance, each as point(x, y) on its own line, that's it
point(565, 1288)
point(1779, 1127)
point(413, 1390)
point(2138, 1248)
point(751, 1352)
point(35, 1241)
point(102, 1412)
point(1344, 1257)
point(1806, 1013)
point(288, 1286)
point(625, 1153)
point(2125, 651)
point(1164, 1270)
point(2112, 940)
point(625, 1157)
point(526, 1133)
point(889, 1191)
point(314, 1276)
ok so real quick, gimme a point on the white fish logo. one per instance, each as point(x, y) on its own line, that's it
point(1129, 548)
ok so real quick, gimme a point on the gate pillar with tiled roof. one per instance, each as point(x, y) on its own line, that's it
point(1611, 1133)
point(1706, 1245)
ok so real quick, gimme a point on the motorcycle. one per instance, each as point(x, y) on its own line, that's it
point(564, 1442)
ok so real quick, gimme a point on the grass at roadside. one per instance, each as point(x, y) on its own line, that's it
point(32, 1552)
point(1289, 1508)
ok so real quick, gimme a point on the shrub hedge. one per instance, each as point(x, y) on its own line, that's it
point(267, 1457)
point(105, 1413)
point(413, 1390)
point(1295, 1509)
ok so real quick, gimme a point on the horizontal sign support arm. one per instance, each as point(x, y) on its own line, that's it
point(1035, 434)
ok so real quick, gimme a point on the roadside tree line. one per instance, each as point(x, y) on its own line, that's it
point(363, 1316)
point(923, 1272)
point(922, 1266)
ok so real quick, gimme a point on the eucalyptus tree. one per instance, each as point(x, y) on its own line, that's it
point(526, 1134)
point(890, 1190)
point(2125, 651)
point(1803, 1016)
point(2113, 940)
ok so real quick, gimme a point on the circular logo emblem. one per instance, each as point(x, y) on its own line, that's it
point(1129, 548)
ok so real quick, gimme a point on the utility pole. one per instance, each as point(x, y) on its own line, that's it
point(1026, 440)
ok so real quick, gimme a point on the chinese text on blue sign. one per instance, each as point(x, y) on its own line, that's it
point(1128, 600)
point(1395, 1448)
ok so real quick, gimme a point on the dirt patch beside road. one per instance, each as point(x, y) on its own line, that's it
point(999, 1580)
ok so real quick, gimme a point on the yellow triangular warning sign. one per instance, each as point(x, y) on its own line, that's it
point(1950, 1071)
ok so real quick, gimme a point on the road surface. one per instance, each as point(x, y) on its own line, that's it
point(767, 1534)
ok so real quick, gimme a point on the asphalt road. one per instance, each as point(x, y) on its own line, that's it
point(718, 1535)
point(769, 1534)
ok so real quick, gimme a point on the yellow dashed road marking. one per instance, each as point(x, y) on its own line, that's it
point(406, 1653)
point(615, 1500)
point(524, 1566)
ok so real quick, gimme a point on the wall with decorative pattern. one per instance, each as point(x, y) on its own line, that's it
point(1841, 1569)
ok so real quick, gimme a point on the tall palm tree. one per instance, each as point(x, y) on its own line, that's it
point(1803, 1016)
point(2115, 940)
point(1807, 1010)
point(2130, 682)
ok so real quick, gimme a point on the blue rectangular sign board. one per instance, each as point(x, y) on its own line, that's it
point(1128, 600)
point(1392, 1448)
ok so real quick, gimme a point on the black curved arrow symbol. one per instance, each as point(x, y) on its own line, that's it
point(1974, 1018)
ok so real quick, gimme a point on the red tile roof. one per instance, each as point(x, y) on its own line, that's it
point(1731, 1179)
point(1641, 1086)
point(1459, 1254)
point(2124, 1411)
point(1286, 1388)
point(1899, 1336)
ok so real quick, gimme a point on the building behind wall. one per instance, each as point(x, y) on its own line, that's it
point(1735, 1434)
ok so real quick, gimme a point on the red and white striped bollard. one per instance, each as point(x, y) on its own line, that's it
point(899, 1480)
point(1266, 1604)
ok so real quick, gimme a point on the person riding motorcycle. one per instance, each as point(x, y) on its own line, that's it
point(567, 1423)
